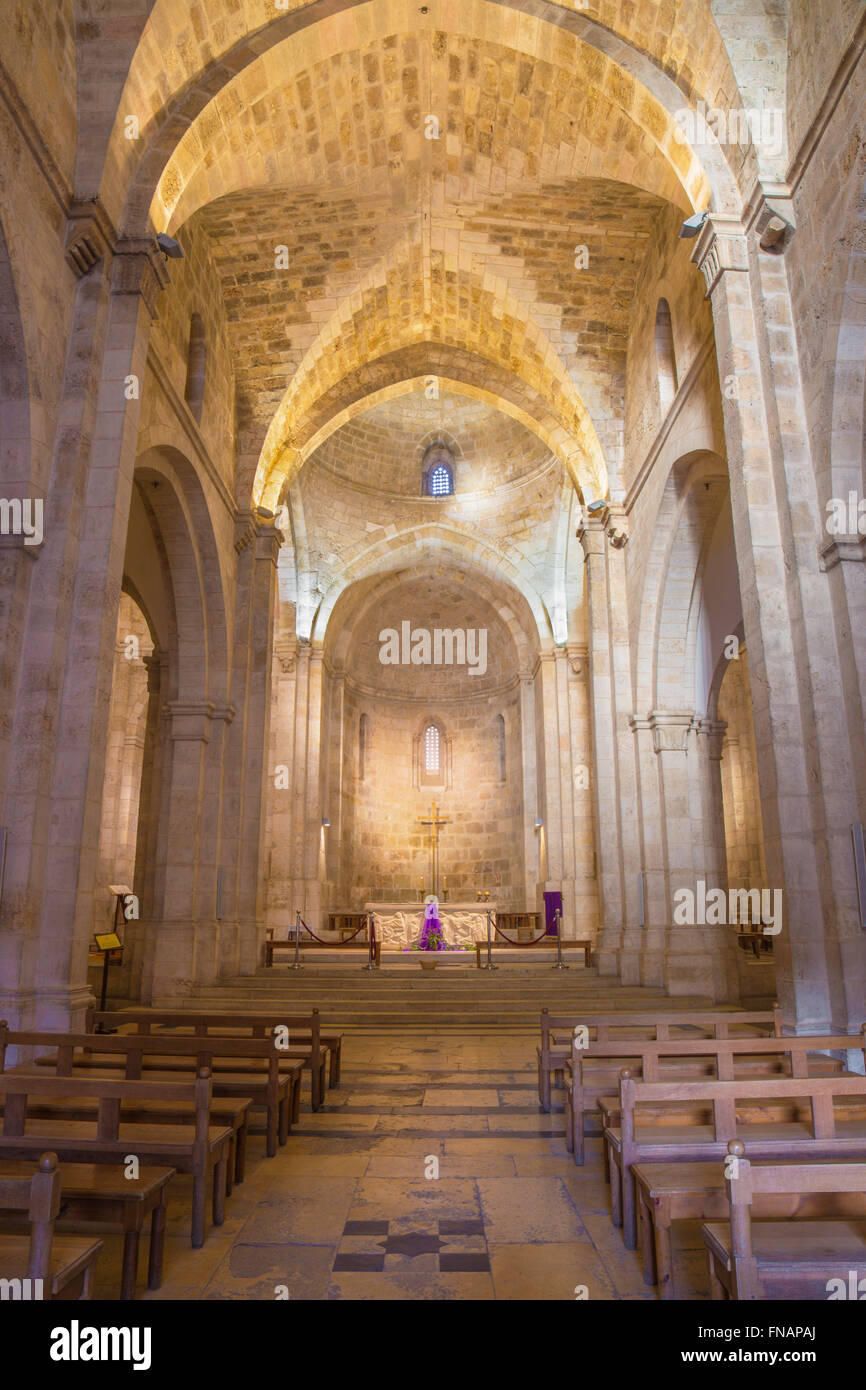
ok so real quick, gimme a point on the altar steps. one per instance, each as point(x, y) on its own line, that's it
point(451, 1000)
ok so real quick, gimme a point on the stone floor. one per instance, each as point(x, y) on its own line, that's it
point(351, 1207)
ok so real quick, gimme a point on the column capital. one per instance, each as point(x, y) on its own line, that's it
point(90, 233)
point(671, 729)
point(256, 526)
point(190, 719)
point(616, 524)
point(769, 214)
point(286, 652)
point(139, 268)
point(842, 550)
point(721, 247)
point(714, 731)
point(153, 663)
point(578, 656)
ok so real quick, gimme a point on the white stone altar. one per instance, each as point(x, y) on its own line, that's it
point(399, 924)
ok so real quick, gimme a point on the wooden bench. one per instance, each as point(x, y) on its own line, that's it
point(58, 1267)
point(271, 947)
point(597, 1069)
point(200, 1149)
point(778, 1259)
point(309, 1044)
point(556, 1051)
point(733, 1105)
point(581, 945)
point(668, 1192)
point(91, 1192)
point(159, 1056)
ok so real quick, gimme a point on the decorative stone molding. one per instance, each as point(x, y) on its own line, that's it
point(90, 234)
point(590, 532)
point(714, 731)
point(721, 247)
point(616, 525)
point(671, 729)
point(153, 665)
point(190, 720)
point(769, 213)
point(139, 268)
point(223, 712)
point(842, 550)
point(245, 529)
point(577, 658)
point(286, 652)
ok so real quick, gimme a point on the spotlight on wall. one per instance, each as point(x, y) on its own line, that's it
point(594, 507)
point(169, 247)
point(326, 821)
point(692, 225)
point(538, 822)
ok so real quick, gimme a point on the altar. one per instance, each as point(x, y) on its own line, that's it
point(399, 924)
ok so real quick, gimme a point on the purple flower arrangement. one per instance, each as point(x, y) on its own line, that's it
point(431, 938)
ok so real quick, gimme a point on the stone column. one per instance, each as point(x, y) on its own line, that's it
point(248, 745)
point(182, 940)
point(808, 797)
point(604, 536)
point(280, 909)
point(60, 724)
point(147, 830)
point(698, 958)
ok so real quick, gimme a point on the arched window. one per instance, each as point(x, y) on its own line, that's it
point(437, 470)
point(441, 482)
point(500, 733)
point(431, 748)
point(363, 733)
point(195, 366)
point(666, 362)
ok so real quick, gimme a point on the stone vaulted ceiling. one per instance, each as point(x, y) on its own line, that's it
point(501, 252)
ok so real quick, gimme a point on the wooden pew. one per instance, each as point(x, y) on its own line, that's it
point(58, 1267)
point(584, 944)
point(733, 1105)
point(271, 947)
point(200, 1149)
point(557, 1033)
point(596, 1070)
point(775, 1259)
point(160, 1056)
point(93, 1192)
point(308, 1043)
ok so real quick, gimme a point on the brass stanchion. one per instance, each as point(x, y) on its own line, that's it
point(560, 964)
point(489, 965)
point(371, 927)
point(296, 965)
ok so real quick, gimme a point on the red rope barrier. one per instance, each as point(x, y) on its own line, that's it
point(363, 927)
point(534, 942)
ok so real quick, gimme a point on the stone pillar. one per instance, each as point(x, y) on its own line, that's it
point(144, 883)
point(604, 536)
point(60, 723)
point(248, 746)
point(182, 940)
point(698, 956)
point(644, 960)
point(808, 797)
point(280, 908)
point(532, 845)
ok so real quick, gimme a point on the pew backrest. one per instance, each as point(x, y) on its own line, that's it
point(39, 1196)
point(722, 1097)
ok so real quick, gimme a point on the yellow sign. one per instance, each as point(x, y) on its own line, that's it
point(109, 942)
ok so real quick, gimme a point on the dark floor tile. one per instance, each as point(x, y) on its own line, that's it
point(369, 1264)
point(464, 1264)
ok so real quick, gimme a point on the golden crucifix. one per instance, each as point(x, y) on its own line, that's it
point(434, 823)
